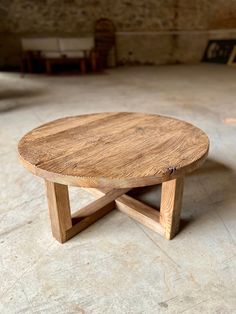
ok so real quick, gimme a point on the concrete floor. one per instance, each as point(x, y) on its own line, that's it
point(116, 265)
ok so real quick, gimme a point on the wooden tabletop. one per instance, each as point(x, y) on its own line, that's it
point(115, 150)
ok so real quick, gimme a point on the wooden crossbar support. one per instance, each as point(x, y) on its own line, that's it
point(81, 224)
point(167, 221)
point(143, 213)
point(105, 199)
point(65, 226)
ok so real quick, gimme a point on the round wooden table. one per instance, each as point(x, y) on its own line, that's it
point(109, 154)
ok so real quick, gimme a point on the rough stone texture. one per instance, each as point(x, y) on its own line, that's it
point(222, 14)
point(118, 266)
point(78, 16)
point(191, 15)
point(146, 29)
point(133, 49)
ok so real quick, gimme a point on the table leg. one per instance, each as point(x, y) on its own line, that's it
point(59, 209)
point(171, 202)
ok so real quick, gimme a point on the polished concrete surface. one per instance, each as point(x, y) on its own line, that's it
point(116, 265)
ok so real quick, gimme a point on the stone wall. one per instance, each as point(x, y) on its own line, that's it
point(222, 14)
point(148, 31)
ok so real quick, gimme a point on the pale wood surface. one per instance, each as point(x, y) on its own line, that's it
point(230, 120)
point(171, 203)
point(116, 150)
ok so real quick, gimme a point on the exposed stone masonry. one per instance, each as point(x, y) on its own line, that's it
point(145, 27)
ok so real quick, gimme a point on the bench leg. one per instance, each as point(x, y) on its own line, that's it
point(171, 202)
point(94, 62)
point(22, 67)
point(83, 67)
point(48, 66)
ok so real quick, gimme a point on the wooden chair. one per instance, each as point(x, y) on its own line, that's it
point(105, 43)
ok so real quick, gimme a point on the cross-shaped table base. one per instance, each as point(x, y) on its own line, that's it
point(65, 225)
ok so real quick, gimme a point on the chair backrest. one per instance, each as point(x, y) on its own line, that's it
point(105, 38)
point(104, 32)
point(40, 44)
point(76, 44)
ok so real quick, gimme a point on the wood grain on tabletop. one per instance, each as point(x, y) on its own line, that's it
point(115, 150)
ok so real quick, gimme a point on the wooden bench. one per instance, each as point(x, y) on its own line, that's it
point(41, 54)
